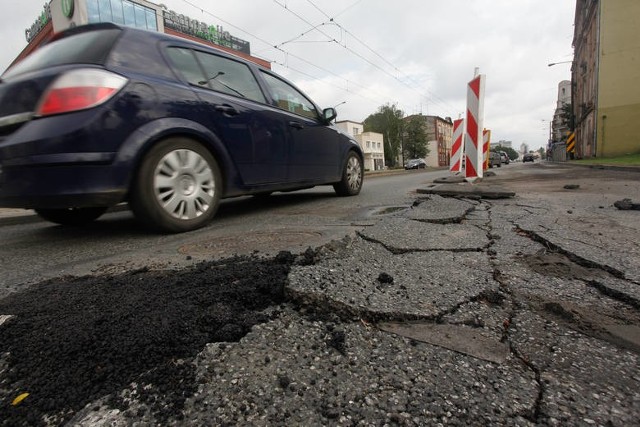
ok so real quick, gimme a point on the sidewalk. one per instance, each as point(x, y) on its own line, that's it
point(10, 216)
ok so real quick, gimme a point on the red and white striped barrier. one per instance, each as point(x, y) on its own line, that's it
point(457, 149)
point(486, 142)
point(473, 135)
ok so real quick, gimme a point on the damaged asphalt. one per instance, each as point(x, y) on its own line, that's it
point(517, 310)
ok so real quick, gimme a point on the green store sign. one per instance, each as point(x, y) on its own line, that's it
point(41, 21)
point(67, 7)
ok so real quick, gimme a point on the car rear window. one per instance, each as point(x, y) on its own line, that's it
point(83, 48)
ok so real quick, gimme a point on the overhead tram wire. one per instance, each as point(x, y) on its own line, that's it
point(289, 54)
point(417, 86)
point(227, 23)
point(280, 49)
point(360, 94)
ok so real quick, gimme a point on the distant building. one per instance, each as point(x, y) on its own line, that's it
point(605, 75)
point(58, 15)
point(524, 148)
point(372, 143)
point(559, 125)
point(439, 139)
point(501, 143)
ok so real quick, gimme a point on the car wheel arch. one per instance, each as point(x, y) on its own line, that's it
point(140, 143)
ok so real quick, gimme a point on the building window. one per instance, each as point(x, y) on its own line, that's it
point(355, 131)
point(123, 12)
point(379, 146)
point(368, 144)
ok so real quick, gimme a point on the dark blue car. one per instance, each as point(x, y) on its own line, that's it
point(105, 114)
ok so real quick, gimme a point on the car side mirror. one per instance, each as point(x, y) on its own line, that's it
point(329, 114)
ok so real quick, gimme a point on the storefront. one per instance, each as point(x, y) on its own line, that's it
point(58, 15)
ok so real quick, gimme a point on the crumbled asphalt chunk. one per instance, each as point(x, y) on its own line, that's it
point(385, 278)
point(626, 204)
point(571, 187)
point(74, 341)
point(337, 340)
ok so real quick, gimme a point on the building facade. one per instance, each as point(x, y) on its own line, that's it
point(372, 144)
point(501, 143)
point(606, 96)
point(560, 124)
point(439, 134)
point(58, 15)
point(440, 131)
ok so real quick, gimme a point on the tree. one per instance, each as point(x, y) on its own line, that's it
point(566, 116)
point(415, 138)
point(387, 121)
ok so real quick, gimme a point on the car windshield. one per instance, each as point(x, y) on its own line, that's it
point(83, 48)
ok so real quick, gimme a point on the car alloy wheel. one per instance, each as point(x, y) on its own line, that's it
point(178, 186)
point(183, 184)
point(352, 175)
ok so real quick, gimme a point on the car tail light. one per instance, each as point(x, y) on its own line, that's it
point(79, 90)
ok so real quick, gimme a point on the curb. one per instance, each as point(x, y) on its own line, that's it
point(8, 217)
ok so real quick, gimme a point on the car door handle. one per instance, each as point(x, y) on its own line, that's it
point(226, 109)
point(296, 125)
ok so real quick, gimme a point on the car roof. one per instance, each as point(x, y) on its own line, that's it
point(152, 35)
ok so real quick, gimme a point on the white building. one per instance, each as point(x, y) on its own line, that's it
point(372, 144)
point(560, 129)
point(502, 143)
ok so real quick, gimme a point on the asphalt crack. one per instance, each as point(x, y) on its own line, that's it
point(572, 256)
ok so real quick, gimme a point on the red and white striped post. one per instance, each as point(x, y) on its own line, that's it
point(473, 135)
point(486, 142)
point(457, 149)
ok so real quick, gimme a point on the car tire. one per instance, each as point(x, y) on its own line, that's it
point(71, 216)
point(352, 176)
point(177, 187)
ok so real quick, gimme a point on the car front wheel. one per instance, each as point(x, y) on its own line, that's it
point(178, 186)
point(352, 177)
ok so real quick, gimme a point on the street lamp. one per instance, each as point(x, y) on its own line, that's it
point(343, 102)
point(550, 128)
point(561, 62)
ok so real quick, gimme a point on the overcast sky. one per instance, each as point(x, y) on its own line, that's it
point(417, 54)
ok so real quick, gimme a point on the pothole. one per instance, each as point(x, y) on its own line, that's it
point(558, 265)
point(263, 241)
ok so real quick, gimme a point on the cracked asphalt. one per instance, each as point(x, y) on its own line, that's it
point(517, 311)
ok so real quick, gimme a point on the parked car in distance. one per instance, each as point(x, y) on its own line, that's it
point(495, 159)
point(528, 157)
point(104, 114)
point(504, 157)
point(415, 164)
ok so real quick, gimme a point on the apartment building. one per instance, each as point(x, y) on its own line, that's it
point(559, 125)
point(439, 133)
point(606, 96)
point(372, 144)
